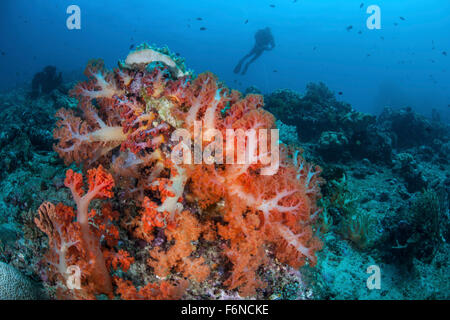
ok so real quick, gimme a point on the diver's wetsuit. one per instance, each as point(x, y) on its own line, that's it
point(264, 41)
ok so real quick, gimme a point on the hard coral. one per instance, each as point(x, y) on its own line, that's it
point(45, 81)
point(15, 286)
point(131, 121)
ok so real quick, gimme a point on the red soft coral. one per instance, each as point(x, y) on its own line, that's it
point(274, 210)
point(151, 291)
point(246, 250)
point(66, 250)
point(100, 184)
point(90, 255)
point(120, 258)
point(183, 234)
point(258, 204)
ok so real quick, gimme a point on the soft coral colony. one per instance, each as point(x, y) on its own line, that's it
point(120, 135)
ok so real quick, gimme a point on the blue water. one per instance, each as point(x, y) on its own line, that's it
point(312, 43)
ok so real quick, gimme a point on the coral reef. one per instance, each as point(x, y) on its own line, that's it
point(288, 134)
point(343, 133)
point(45, 82)
point(409, 129)
point(407, 167)
point(125, 135)
point(419, 234)
point(209, 230)
point(375, 209)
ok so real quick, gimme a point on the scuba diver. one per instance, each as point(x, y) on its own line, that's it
point(264, 41)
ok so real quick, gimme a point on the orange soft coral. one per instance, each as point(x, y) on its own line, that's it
point(151, 291)
point(186, 231)
point(66, 250)
point(120, 259)
point(150, 218)
point(251, 211)
point(246, 250)
point(65, 229)
point(100, 184)
point(262, 211)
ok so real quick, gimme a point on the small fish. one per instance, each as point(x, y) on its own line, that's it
point(444, 53)
point(3, 53)
point(131, 46)
point(275, 70)
point(199, 19)
point(361, 5)
point(368, 55)
point(382, 38)
point(314, 48)
point(359, 32)
point(246, 21)
point(177, 54)
point(395, 24)
point(349, 28)
point(202, 28)
point(272, 6)
point(401, 18)
point(340, 93)
point(432, 61)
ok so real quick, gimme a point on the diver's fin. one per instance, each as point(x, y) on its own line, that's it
point(245, 69)
point(237, 68)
